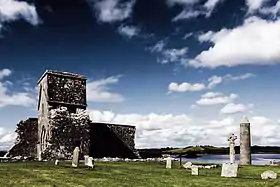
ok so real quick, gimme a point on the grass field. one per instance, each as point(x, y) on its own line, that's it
point(124, 174)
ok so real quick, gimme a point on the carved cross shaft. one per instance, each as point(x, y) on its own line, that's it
point(231, 140)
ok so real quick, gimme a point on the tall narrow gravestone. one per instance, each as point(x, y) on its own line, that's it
point(75, 160)
point(245, 142)
point(39, 153)
point(230, 169)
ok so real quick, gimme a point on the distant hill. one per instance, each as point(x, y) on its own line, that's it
point(194, 151)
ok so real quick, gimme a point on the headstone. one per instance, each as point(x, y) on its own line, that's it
point(56, 162)
point(187, 165)
point(208, 167)
point(39, 153)
point(90, 162)
point(229, 170)
point(86, 159)
point(169, 162)
point(194, 170)
point(75, 159)
point(269, 175)
point(231, 140)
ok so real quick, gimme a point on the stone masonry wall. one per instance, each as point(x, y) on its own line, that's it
point(66, 90)
point(68, 131)
point(126, 134)
point(43, 113)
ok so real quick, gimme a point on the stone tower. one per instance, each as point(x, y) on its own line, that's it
point(56, 90)
point(245, 142)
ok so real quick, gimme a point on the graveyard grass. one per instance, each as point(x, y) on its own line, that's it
point(132, 174)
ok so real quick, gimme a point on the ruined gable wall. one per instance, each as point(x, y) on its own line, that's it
point(126, 134)
point(110, 140)
point(43, 113)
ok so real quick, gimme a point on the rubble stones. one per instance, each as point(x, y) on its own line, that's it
point(187, 165)
point(269, 175)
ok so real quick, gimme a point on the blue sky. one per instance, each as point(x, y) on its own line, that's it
point(184, 72)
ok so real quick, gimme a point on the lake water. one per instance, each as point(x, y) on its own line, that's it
point(257, 159)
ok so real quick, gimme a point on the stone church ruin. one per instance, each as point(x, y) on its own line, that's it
point(63, 123)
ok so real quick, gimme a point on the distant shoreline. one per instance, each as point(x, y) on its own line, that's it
point(197, 151)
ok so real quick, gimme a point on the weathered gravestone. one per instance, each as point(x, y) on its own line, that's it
point(169, 161)
point(75, 159)
point(86, 159)
point(90, 162)
point(269, 175)
point(39, 152)
point(187, 165)
point(230, 169)
point(194, 170)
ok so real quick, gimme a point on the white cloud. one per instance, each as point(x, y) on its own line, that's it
point(215, 99)
point(210, 5)
point(97, 91)
point(5, 73)
point(254, 5)
point(181, 2)
point(190, 11)
point(158, 47)
point(187, 14)
point(185, 87)
point(211, 95)
point(153, 130)
point(12, 10)
point(273, 10)
point(194, 107)
point(254, 42)
point(232, 108)
point(113, 10)
point(168, 130)
point(225, 122)
point(129, 31)
point(188, 35)
point(212, 82)
point(240, 77)
point(7, 97)
point(168, 55)
point(7, 139)
point(264, 130)
point(212, 36)
point(172, 55)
